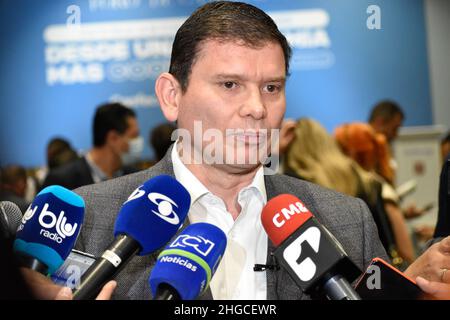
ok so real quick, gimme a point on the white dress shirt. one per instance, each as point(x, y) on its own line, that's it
point(246, 237)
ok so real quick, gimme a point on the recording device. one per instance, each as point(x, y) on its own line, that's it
point(381, 281)
point(76, 264)
point(312, 256)
point(184, 269)
point(10, 217)
point(149, 218)
point(49, 229)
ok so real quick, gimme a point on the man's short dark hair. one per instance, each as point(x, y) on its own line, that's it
point(110, 116)
point(386, 110)
point(224, 21)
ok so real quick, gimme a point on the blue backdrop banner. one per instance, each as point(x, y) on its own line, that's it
point(62, 58)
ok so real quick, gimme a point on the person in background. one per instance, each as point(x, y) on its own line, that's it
point(13, 183)
point(443, 222)
point(58, 153)
point(386, 117)
point(117, 145)
point(315, 156)
point(370, 150)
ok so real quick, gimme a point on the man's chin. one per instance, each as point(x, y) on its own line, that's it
point(239, 168)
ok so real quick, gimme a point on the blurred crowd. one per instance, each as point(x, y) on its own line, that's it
point(116, 151)
point(356, 159)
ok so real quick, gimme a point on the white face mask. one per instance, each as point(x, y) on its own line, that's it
point(135, 148)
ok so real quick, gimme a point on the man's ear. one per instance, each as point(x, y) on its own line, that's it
point(111, 137)
point(168, 92)
point(379, 122)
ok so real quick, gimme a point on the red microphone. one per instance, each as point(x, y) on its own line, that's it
point(311, 255)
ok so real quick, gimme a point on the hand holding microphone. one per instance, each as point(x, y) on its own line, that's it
point(149, 218)
point(307, 250)
point(42, 288)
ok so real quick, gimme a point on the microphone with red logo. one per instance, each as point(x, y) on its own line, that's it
point(149, 218)
point(308, 251)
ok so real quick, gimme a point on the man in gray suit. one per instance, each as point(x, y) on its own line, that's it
point(228, 71)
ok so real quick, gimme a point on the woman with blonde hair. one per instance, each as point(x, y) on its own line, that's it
point(314, 155)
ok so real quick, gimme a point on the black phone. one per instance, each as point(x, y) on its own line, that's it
point(381, 281)
point(69, 274)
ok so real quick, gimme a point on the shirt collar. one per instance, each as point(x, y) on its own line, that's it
point(259, 184)
point(196, 189)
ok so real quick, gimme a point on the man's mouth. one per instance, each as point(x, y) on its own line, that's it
point(250, 136)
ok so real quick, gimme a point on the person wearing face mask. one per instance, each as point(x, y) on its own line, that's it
point(117, 146)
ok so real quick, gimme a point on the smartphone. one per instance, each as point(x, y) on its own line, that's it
point(76, 264)
point(381, 281)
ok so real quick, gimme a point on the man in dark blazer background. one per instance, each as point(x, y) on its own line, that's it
point(115, 134)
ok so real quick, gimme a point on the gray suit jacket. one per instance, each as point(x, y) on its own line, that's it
point(347, 218)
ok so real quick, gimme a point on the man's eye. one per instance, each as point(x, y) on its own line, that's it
point(229, 84)
point(272, 88)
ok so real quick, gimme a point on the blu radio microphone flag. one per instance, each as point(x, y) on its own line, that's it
point(150, 217)
point(50, 227)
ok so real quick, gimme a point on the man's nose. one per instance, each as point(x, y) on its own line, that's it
point(254, 106)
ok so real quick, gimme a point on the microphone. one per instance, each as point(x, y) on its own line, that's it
point(307, 250)
point(49, 229)
point(10, 217)
point(149, 218)
point(184, 269)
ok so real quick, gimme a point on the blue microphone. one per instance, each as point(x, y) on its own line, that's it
point(149, 218)
point(49, 229)
point(185, 268)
